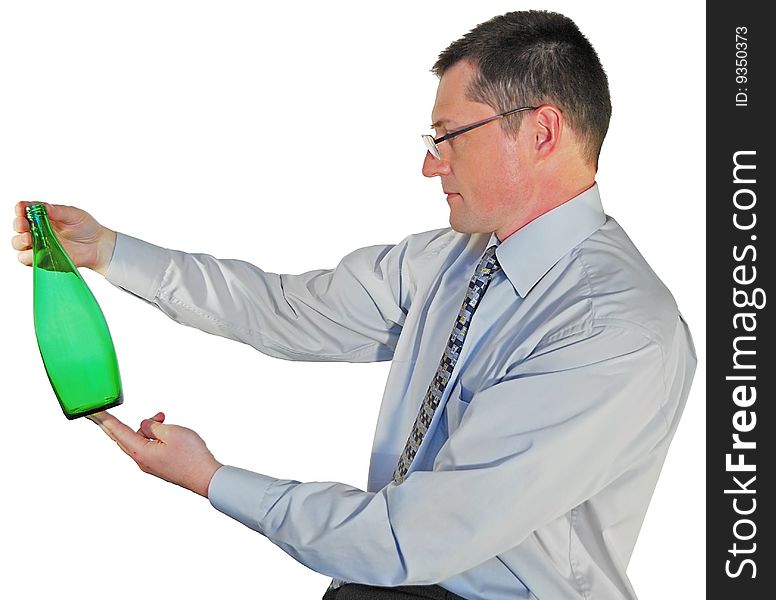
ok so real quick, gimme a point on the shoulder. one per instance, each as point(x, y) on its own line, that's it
point(602, 282)
point(620, 287)
point(433, 249)
point(437, 241)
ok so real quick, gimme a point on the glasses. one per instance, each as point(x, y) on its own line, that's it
point(431, 141)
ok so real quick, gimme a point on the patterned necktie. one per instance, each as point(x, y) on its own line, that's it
point(477, 286)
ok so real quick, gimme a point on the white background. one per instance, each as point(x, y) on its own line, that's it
point(286, 134)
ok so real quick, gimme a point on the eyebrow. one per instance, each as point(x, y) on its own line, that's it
point(439, 122)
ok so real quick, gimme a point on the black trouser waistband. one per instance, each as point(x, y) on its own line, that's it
point(357, 591)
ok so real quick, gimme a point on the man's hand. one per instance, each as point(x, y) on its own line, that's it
point(88, 243)
point(173, 453)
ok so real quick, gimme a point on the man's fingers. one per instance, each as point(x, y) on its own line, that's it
point(153, 428)
point(124, 449)
point(128, 440)
point(23, 241)
point(21, 225)
point(25, 257)
point(158, 417)
point(20, 206)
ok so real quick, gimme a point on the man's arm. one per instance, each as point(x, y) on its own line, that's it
point(561, 426)
point(353, 312)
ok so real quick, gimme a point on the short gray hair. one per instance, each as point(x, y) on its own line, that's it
point(528, 58)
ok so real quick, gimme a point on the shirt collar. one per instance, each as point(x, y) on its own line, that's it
point(531, 251)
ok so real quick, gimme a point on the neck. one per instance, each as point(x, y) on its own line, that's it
point(543, 197)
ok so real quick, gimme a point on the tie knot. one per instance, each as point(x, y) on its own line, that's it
point(488, 263)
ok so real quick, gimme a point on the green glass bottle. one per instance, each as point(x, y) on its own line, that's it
point(73, 336)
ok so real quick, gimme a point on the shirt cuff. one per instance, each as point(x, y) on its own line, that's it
point(137, 266)
point(240, 494)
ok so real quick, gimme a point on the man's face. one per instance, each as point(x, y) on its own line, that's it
point(480, 169)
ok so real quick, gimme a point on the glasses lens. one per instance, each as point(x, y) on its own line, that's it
point(431, 145)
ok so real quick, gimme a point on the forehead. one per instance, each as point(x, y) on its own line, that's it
point(451, 104)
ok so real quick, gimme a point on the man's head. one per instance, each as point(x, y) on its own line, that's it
point(504, 174)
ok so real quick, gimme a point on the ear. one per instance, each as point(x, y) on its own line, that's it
point(549, 126)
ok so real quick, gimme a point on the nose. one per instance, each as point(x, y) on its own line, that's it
point(435, 166)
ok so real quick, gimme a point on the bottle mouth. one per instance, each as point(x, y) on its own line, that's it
point(35, 210)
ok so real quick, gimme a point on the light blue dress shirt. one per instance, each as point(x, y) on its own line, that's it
point(535, 475)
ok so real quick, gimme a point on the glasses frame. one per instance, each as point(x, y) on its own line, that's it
point(431, 142)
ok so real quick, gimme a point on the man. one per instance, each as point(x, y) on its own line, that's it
point(521, 464)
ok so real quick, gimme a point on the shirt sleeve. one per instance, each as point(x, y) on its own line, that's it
point(557, 428)
point(353, 312)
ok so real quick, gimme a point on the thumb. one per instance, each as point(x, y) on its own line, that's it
point(54, 211)
point(153, 428)
point(66, 215)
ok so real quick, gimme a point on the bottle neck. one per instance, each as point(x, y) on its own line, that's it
point(40, 228)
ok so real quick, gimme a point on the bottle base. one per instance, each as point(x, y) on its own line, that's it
point(91, 411)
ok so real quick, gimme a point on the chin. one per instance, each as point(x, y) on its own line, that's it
point(462, 227)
